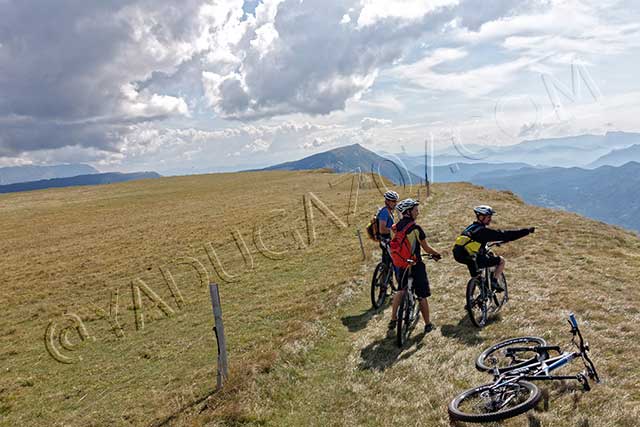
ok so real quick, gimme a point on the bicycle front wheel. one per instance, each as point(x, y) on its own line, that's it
point(380, 284)
point(510, 353)
point(498, 299)
point(476, 302)
point(493, 403)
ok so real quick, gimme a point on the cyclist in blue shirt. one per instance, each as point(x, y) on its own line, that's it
point(385, 221)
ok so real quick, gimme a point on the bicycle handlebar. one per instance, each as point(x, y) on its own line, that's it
point(424, 255)
point(584, 348)
point(576, 331)
point(573, 321)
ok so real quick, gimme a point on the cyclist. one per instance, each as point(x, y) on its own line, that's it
point(385, 221)
point(416, 237)
point(467, 249)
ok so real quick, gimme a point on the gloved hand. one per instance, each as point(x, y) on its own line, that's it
point(436, 257)
point(532, 230)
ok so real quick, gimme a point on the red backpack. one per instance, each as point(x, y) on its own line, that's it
point(400, 247)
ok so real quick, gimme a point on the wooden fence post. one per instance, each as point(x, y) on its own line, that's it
point(218, 329)
point(364, 253)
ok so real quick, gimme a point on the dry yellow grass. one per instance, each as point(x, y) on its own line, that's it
point(358, 377)
point(303, 347)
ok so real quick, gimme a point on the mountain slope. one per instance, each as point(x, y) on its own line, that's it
point(618, 157)
point(349, 159)
point(15, 174)
point(607, 193)
point(458, 172)
point(94, 179)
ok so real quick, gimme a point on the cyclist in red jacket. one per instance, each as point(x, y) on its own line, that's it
point(409, 210)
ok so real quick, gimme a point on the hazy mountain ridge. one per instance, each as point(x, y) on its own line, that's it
point(619, 157)
point(579, 150)
point(608, 193)
point(459, 172)
point(27, 173)
point(80, 180)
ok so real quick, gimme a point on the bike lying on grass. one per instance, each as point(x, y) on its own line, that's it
point(513, 364)
point(382, 281)
point(408, 311)
point(481, 298)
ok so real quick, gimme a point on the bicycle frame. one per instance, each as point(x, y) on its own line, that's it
point(540, 370)
point(410, 299)
point(387, 257)
point(409, 286)
point(486, 292)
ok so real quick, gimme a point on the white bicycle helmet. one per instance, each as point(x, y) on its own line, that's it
point(391, 196)
point(406, 205)
point(484, 210)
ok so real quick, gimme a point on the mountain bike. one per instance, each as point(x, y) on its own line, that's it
point(481, 298)
point(408, 309)
point(382, 281)
point(513, 364)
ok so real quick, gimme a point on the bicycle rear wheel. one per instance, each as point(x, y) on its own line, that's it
point(476, 304)
point(380, 284)
point(510, 353)
point(489, 403)
point(405, 318)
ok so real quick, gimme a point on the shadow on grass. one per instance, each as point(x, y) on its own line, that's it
point(359, 321)
point(464, 332)
point(383, 353)
point(532, 421)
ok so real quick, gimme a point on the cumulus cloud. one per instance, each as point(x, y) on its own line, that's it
point(80, 74)
point(541, 29)
point(374, 11)
point(313, 56)
point(371, 122)
point(72, 70)
point(315, 143)
point(473, 82)
point(105, 80)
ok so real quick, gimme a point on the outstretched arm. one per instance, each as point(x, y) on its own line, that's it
point(490, 235)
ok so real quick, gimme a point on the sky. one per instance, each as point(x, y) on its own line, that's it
point(217, 85)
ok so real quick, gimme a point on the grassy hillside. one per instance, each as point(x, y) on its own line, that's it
point(304, 347)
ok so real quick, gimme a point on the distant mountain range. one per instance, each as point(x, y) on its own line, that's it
point(349, 159)
point(605, 193)
point(26, 173)
point(457, 172)
point(581, 150)
point(93, 179)
point(608, 193)
point(619, 157)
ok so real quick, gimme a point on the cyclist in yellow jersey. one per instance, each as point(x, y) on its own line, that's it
point(468, 244)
